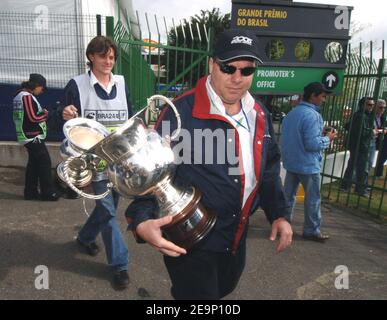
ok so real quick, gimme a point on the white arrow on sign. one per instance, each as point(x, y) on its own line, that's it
point(331, 79)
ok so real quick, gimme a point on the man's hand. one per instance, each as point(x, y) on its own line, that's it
point(283, 227)
point(150, 231)
point(330, 132)
point(332, 135)
point(69, 112)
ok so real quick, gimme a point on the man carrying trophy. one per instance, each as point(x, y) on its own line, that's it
point(231, 187)
point(101, 96)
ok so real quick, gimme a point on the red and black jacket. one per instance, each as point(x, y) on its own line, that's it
point(29, 116)
point(221, 191)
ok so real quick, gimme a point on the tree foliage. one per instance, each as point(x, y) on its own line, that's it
point(196, 33)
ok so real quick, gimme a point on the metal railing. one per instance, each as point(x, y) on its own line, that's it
point(364, 76)
point(165, 58)
point(168, 58)
point(57, 52)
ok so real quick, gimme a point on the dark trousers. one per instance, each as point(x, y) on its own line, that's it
point(205, 275)
point(382, 157)
point(359, 163)
point(38, 171)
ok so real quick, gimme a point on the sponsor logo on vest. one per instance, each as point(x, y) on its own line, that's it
point(241, 39)
point(106, 115)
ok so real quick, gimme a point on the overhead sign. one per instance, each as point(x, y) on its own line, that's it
point(319, 20)
point(330, 80)
point(296, 34)
point(288, 80)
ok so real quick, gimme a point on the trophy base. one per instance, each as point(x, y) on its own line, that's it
point(81, 178)
point(63, 187)
point(190, 225)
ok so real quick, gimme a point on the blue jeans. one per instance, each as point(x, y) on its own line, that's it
point(103, 219)
point(371, 156)
point(312, 201)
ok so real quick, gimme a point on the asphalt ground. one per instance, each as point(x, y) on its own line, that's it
point(34, 233)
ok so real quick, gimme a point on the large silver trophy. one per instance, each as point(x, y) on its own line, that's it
point(80, 135)
point(141, 162)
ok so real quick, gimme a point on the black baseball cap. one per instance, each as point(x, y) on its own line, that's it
point(236, 43)
point(39, 80)
point(315, 88)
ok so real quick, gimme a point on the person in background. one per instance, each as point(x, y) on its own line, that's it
point(381, 140)
point(104, 97)
point(31, 131)
point(361, 132)
point(371, 151)
point(302, 141)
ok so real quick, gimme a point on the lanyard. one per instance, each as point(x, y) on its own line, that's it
point(239, 123)
point(378, 122)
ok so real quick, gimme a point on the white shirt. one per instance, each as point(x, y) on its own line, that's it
point(244, 123)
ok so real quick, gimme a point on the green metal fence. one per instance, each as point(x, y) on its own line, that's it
point(165, 59)
point(138, 74)
point(57, 52)
point(168, 59)
point(364, 76)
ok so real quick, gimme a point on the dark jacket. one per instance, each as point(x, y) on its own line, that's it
point(221, 191)
point(30, 121)
point(383, 125)
point(361, 131)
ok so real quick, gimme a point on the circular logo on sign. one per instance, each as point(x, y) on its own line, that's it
point(330, 80)
point(275, 49)
point(303, 50)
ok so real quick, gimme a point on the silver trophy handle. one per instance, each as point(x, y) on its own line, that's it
point(170, 103)
point(80, 192)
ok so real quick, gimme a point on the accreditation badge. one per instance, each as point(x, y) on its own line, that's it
point(101, 166)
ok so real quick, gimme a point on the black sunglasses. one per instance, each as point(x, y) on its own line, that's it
point(227, 69)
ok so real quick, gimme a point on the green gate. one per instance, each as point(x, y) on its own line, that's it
point(151, 67)
point(364, 76)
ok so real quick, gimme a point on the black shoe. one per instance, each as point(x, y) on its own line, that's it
point(364, 194)
point(316, 237)
point(121, 280)
point(91, 249)
point(51, 197)
point(32, 196)
point(70, 194)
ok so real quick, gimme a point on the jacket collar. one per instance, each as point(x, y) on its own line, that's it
point(94, 81)
point(202, 105)
point(311, 105)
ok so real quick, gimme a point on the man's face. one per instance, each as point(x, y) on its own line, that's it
point(318, 100)
point(231, 87)
point(380, 107)
point(38, 90)
point(369, 105)
point(103, 63)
